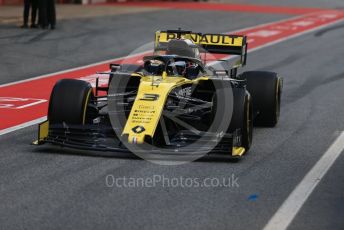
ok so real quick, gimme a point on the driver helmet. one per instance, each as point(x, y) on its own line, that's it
point(154, 67)
point(177, 68)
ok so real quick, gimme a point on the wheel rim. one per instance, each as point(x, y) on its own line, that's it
point(249, 121)
point(278, 99)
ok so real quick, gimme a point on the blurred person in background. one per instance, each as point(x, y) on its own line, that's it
point(33, 4)
point(47, 14)
point(43, 20)
point(51, 13)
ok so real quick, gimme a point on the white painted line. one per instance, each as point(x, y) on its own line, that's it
point(72, 69)
point(32, 104)
point(295, 35)
point(292, 205)
point(23, 125)
point(272, 23)
point(280, 40)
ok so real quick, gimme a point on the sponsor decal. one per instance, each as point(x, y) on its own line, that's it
point(185, 92)
point(150, 97)
point(138, 129)
point(205, 39)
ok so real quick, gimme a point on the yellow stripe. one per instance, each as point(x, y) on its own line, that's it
point(85, 106)
point(238, 151)
point(278, 84)
point(43, 130)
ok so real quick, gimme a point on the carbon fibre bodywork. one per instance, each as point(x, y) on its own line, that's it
point(158, 109)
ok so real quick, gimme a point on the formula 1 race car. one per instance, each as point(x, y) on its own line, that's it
point(176, 103)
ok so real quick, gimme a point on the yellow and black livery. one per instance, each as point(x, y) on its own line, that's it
point(174, 102)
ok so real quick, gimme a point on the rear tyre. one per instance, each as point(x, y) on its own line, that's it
point(265, 89)
point(69, 100)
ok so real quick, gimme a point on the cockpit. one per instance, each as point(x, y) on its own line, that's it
point(174, 66)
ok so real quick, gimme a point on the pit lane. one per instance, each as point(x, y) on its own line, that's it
point(46, 187)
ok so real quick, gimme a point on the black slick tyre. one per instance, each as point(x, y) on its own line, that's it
point(69, 100)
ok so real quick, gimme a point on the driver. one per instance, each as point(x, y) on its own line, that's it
point(154, 67)
point(185, 69)
point(177, 68)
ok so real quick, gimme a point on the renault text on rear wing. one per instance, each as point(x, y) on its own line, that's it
point(212, 43)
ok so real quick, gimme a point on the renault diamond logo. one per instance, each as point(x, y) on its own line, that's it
point(138, 129)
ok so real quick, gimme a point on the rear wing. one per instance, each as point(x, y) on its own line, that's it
point(212, 43)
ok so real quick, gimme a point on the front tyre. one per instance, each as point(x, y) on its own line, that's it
point(69, 101)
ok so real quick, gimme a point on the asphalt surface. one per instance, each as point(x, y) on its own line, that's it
point(53, 188)
point(299, 3)
point(29, 53)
